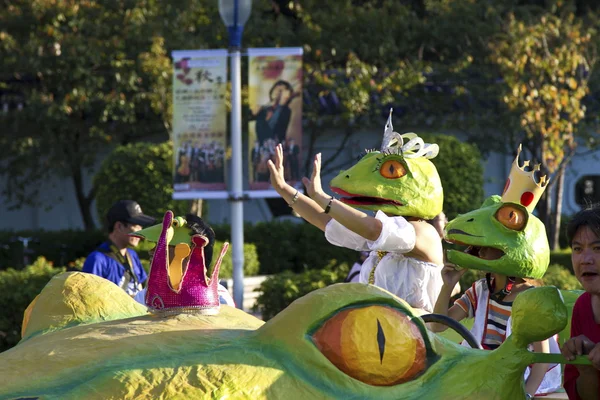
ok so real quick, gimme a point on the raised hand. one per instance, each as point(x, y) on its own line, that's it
point(451, 275)
point(313, 185)
point(276, 169)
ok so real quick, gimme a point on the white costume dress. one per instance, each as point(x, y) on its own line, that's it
point(417, 282)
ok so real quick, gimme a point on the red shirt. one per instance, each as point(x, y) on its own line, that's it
point(582, 323)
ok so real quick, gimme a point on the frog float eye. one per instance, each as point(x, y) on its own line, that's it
point(392, 169)
point(512, 216)
point(377, 345)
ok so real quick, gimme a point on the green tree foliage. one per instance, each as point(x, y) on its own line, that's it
point(84, 71)
point(349, 75)
point(251, 264)
point(545, 66)
point(280, 290)
point(546, 69)
point(461, 172)
point(142, 172)
point(96, 74)
point(283, 246)
point(562, 278)
point(17, 291)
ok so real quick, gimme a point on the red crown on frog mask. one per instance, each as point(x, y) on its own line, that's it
point(180, 285)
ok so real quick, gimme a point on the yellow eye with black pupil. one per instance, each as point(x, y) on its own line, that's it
point(376, 345)
point(512, 217)
point(392, 169)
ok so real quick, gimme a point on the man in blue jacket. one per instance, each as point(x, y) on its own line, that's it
point(114, 259)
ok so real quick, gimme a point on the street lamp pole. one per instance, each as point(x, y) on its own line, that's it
point(234, 14)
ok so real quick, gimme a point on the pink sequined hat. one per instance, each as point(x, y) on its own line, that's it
point(178, 282)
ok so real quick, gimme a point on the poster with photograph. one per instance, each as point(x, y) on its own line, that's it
point(275, 100)
point(199, 124)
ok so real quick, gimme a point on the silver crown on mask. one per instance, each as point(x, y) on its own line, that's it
point(414, 147)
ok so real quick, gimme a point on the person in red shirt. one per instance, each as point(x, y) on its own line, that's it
point(581, 382)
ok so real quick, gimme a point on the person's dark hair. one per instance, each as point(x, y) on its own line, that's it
point(110, 226)
point(589, 217)
point(280, 83)
point(199, 227)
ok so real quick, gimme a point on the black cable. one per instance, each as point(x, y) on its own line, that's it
point(455, 325)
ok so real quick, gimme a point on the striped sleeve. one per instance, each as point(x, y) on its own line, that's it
point(467, 301)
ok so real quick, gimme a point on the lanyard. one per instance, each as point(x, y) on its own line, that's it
point(125, 261)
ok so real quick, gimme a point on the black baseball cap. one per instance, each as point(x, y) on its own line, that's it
point(128, 211)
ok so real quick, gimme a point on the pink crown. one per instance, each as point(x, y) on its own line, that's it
point(196, 293)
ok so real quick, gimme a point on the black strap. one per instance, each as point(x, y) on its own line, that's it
point(125, 262)
point(490, 285)
point(510, 281)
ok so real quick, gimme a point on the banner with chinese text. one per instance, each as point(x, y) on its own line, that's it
point(199, 124)
point(275, 100)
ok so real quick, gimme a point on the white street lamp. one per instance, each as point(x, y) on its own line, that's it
point(234, 14)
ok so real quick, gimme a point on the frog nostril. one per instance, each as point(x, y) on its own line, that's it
point(471, 220)
point(348, 176)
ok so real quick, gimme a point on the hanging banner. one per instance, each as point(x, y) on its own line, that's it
point(275, 100)
point(199, 124)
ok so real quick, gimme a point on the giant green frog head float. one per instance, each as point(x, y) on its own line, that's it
point(505, 223)
point(399, 179)
point(87, 339)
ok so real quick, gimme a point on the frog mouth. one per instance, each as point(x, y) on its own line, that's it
point(360, 200)
point(473, 249)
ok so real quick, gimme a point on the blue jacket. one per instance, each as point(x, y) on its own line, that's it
point(100, 263)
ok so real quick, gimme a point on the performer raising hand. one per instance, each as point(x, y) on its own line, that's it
point(403, 187)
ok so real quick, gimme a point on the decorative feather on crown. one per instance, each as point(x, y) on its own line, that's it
point(180, 285)
point(522, 187)
point(415, 146)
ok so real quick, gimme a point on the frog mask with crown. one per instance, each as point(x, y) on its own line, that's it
point(178, 282)
point(399, 179)
point(505, 223)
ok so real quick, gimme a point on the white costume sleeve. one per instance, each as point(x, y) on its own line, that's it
point(397, 235)
point(338, 235)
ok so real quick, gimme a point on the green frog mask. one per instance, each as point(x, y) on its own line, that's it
point(399, 179)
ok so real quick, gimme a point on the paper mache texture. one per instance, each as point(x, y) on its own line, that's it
point(526, 251)
point(399, 179)
point(336, 342)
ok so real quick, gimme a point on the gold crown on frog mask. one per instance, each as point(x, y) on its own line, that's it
point(522, 187)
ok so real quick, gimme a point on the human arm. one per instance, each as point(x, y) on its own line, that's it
point(429, 246)
point(357, 221)
point(537, 370)
point(303, 205)
point(588, 382)
point(450, 277)
point(587, 385)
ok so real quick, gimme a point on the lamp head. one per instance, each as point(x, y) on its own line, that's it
point(235, 14)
